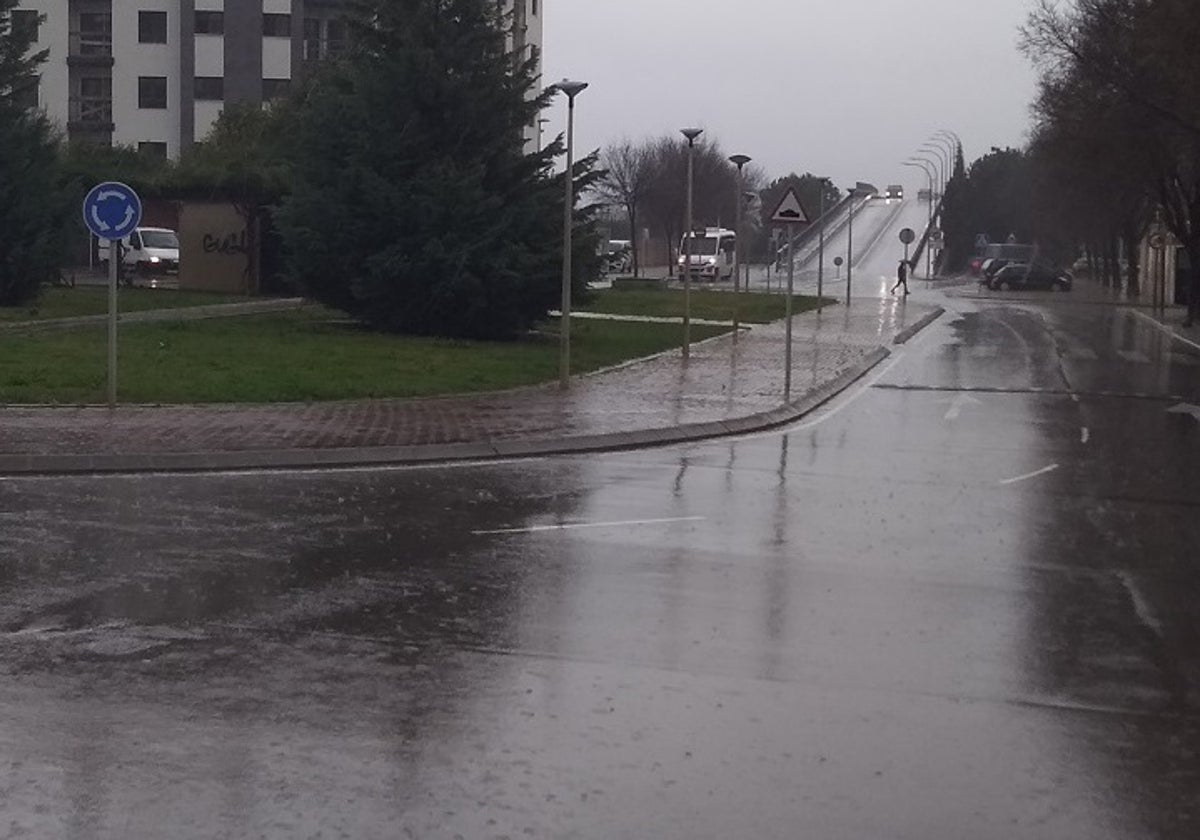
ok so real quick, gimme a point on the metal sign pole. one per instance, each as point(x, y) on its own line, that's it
point(787, 365)
point(112, 211)
point(114, 260)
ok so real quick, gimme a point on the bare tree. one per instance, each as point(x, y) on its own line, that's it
point(1133, 65)
point(714, 187)
point(626, 181)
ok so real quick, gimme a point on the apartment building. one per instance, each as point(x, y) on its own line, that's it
point(155, 74)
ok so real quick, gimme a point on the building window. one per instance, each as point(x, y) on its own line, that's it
point(25, 21)
point(26, 96)
point(155, 150)
point(275, 88)
point(534, 7)
point(210, 23)
point(337, 37)
point(210, 89)
point(152, 27)
point(277, 25)
point(93, 103)
point(152, 92)
point(95, 34)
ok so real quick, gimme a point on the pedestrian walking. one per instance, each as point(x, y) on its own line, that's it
point(901, 277)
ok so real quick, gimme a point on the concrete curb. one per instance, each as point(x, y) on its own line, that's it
point(382, 456)
point(907, 333)
point(154, 316)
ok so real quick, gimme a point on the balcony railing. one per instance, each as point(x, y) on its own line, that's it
point(90, 44)
point(90, 111)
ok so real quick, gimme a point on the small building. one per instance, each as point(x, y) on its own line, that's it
point(1164, 268)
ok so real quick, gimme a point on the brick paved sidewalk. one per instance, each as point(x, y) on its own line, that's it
point(726, 387)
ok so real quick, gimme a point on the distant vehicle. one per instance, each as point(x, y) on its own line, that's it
point(148, 250)
point(1009, 251)
point(895, 191)
point(711, 253)
point(619, 257)
point(1027, 276)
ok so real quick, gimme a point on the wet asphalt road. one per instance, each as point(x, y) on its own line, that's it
point(960, 602)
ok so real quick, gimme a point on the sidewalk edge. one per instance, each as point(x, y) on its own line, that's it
point(12, 466)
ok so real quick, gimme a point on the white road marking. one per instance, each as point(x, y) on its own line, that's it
point(1028, 476)
point(1085, 434)
point(1135, 356)
point(957, 405)
point(1186, 408)
point(1140, 605)
point(572, 526)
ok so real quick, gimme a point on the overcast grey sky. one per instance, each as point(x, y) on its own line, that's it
point(847, 88)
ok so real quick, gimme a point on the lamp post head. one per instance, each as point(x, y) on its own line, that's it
point(739, 161)
point(691, 134)
point(571, 88)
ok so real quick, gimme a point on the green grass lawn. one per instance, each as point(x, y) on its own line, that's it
point(62, 302)
point(754, 307)
point(309, 354)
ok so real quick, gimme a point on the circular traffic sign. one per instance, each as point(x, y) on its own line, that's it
point(908, 236)
point(1157, 241)
point(838, 261)
point(112, 210)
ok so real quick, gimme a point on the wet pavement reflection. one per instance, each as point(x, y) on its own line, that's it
point(957, 603)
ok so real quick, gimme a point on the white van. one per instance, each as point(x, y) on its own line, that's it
point(712, 253)
point(148, 250)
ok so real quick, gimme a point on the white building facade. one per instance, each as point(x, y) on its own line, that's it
point(155, 74)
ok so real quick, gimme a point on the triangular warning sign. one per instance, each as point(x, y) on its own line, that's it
point(790, 210)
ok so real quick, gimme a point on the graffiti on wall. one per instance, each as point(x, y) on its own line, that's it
point(231, 244)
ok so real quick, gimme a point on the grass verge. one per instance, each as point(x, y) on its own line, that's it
point(62, 302)
point(298, 356)
point(754, 307)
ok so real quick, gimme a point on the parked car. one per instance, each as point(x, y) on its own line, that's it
point(990, 267)
point(1023, 276)
point(148, 250)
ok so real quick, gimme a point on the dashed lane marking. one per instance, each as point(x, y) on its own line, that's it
point(1018, 479)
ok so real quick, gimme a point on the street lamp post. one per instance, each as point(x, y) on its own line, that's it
point(821, 245)
point(571, 89)
point(927, 168)
point(691, 134)
point(943, 166)
point(850, 244)
point(740, 162)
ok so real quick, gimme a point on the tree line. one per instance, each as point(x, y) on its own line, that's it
point(647, 182)
point(1116, 144)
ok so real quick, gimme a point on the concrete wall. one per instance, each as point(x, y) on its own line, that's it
point(212, 249)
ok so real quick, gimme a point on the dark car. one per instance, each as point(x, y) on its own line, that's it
point(1023, 276)
point(990, 267)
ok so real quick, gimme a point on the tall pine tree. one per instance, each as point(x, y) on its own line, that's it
point(31, 205)
point(414, 206)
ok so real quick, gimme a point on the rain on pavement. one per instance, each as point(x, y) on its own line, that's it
point(957, 602)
